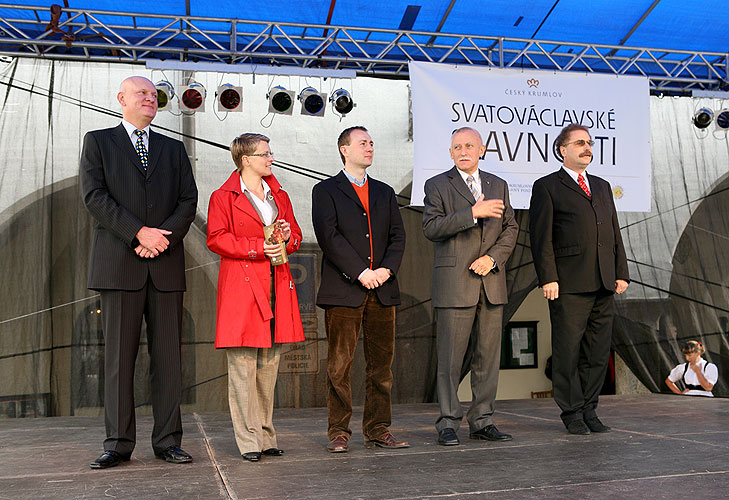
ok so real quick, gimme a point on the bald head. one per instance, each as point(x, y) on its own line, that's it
point(138, 98)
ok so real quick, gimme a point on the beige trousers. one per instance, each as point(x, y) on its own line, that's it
point(252, 375)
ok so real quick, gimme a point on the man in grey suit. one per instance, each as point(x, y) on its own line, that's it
point(138, 186)
point(468, 217)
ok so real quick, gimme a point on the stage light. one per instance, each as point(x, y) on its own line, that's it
point(722, 119)
point(312, 102)
point(230, 98)
point(280, 101)
point(192, 97)
point(342, 102)
point(165, 93)
point(703, 118)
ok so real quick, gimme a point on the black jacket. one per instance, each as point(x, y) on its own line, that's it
point(340, 225)
point(576, 240)
point(122, 198)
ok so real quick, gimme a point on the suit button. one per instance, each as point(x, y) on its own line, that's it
point(149, 206)
point(240, 223)
point(149, 181)
point(367, 235)
point(369, 258)
point(364, 213)
point(599, 244)
point(247, 279)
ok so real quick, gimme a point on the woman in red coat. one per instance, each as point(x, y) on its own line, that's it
point(257, 308)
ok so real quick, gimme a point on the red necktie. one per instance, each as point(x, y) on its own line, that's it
point(583, 185)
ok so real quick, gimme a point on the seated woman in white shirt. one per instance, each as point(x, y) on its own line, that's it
point(699, 376)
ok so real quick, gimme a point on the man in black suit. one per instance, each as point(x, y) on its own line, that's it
point(139, 188)
point(580, 261)
point(359, 229)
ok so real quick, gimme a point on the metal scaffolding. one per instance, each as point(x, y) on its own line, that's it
point(106, 36)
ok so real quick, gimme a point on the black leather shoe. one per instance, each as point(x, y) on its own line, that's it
point(578, 427)
point(252, 456)
point(490, 433)
point(594, 424)
point(174, 455)
point(273, 452)
point(448, 437)
point(108, 459)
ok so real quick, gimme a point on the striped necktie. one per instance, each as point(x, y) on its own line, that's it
point(472, 186)
point(583, 185)
point(141, 149)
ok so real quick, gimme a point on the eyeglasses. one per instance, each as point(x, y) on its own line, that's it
point(581, 142)
point(265, 155)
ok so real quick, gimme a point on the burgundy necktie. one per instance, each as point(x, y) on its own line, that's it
point(583, 185)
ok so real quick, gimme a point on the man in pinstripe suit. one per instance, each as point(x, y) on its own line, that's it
point(139, 188)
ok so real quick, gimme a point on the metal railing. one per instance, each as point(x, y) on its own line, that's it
point(107, 36)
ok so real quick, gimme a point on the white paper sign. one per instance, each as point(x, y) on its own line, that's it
point(519, 114)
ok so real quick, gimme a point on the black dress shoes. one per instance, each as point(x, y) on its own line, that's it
point(578, 427)
point(253, 456)
point(594, 424)
point(273, 452)
point(448, 437)
point(108, 459)
point(490, 433)
point(173, 455)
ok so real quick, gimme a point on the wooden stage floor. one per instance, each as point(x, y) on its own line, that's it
point(661, 447)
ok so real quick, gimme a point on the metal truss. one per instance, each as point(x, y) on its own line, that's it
point(105, 36)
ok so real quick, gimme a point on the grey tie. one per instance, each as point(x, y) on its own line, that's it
point(472, 186)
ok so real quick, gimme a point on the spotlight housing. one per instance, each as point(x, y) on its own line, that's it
point(722, 119)
point(229, 98)
point(342, 102)
point(280, 101)
point(165, 93)
point(192, 97)
point(703, 118)
point(312, 102)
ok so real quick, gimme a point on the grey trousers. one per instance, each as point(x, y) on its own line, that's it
point(455, 327)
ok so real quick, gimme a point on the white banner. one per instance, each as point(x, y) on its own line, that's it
point(519, 114)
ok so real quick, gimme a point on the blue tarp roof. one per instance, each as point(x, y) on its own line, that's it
point(698, 25)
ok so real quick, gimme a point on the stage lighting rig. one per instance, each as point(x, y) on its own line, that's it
point(312, 102)
point(192, 97)
point(280, 101)
point(342, 102)
point(722, 119)
point(229, 98)
point(165, 93)
point(703, 118)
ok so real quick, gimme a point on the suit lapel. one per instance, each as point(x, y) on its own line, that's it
point(457, 182)
point(155, 151)
point(596, 196)
point(124, 143)
point(346, 187)
point(570, 183)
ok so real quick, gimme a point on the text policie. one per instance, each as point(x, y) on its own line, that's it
point(537, 144)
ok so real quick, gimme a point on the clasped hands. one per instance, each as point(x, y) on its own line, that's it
point(371, 279)
point(152, 242)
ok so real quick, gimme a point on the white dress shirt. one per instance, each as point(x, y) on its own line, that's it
point(574, 175)
point(133, 137)
point(263, 207)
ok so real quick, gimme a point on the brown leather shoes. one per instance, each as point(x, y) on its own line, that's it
point(339, 444)
point(387, 440)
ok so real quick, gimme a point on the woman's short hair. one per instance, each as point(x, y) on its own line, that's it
point(245, 144)
point(693, 346)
